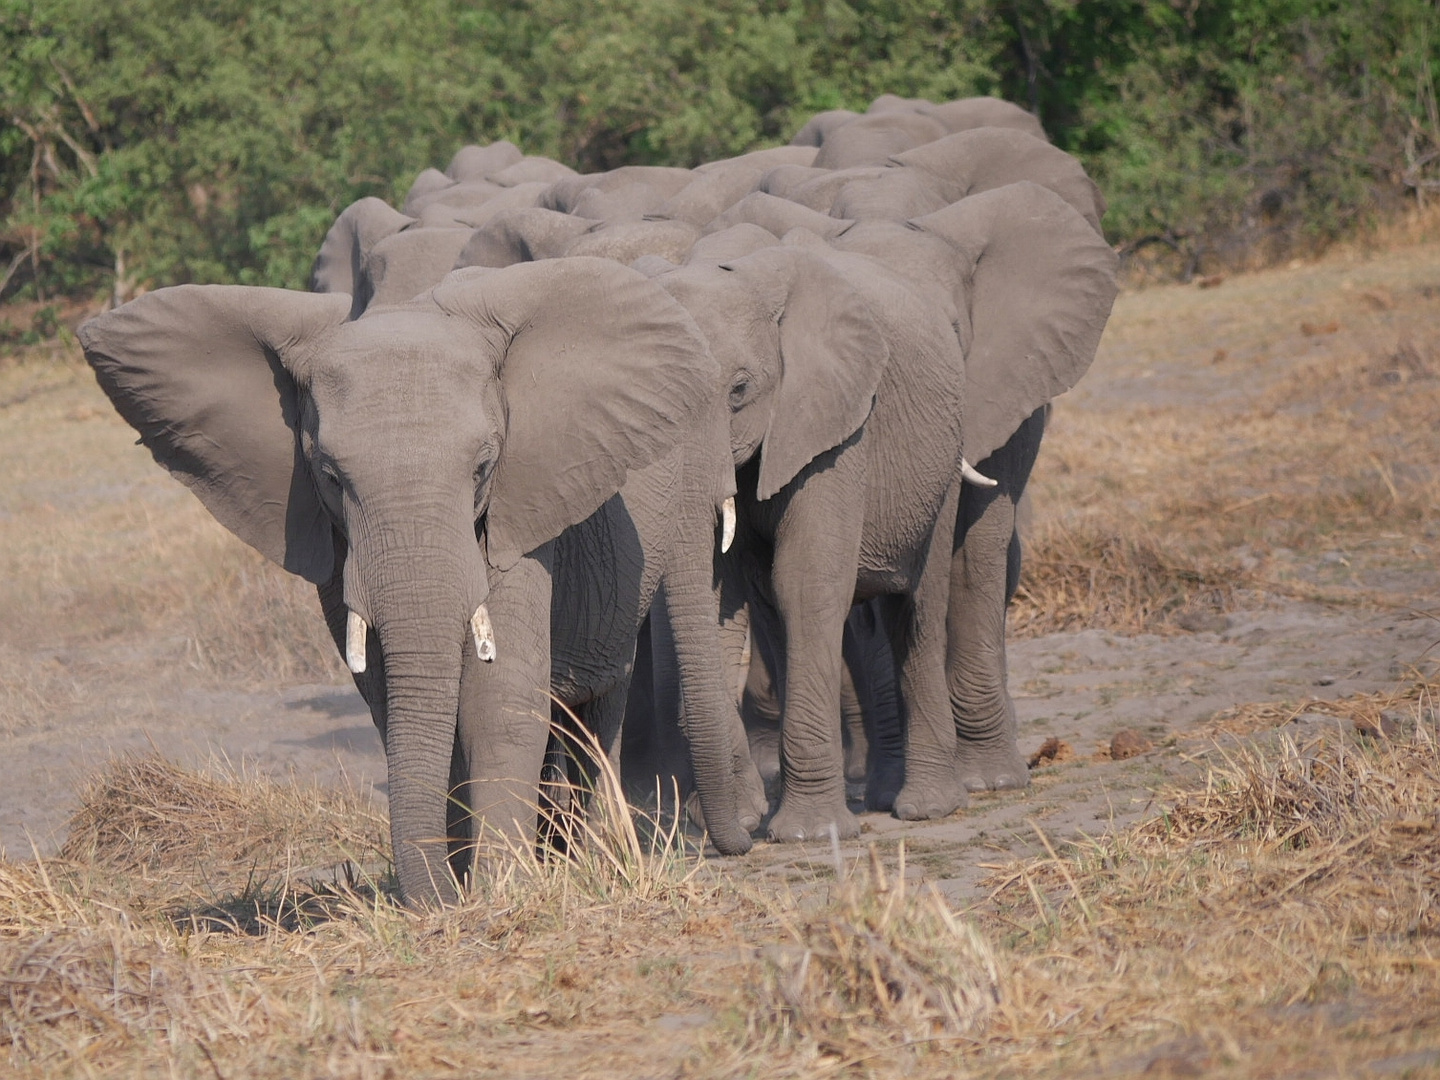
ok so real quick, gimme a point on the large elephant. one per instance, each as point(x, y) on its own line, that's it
point(447, 471)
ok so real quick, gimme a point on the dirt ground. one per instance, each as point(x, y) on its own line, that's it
point(1239, 504)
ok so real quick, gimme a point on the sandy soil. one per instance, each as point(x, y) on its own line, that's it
point(132, 621)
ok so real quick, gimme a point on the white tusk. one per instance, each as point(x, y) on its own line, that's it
point(355, 631)
point(727, 524)
point(969, 472)
point(483, 633)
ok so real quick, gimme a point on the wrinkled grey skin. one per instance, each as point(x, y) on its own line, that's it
point(410, 464)
point(529, 235)
point(870, 711)
point(845, 398)
point(1061, 275)
point(960, 326)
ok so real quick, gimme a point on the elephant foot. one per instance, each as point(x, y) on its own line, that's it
point(884, 786)
point(797, 821)
point(922, 801)
point(753, 803)
point(765, 752)
point(993, 765)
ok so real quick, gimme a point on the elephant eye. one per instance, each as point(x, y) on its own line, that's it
point(739, 392)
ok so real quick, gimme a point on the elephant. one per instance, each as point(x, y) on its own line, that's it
point(487, 484)
point(849, 486)
point(871, 139)
point(963, 114)
point(1071, 271)
point(844, 389)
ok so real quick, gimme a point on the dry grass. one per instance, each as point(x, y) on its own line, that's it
point(157, 824)
point(1075, 579)
point(1150, 507)
point(1278, 918)
point(1287, 901)
point(878, 972)
point(98, 546)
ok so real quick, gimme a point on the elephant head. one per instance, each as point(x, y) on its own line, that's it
point(504, 404)
point(800, 353)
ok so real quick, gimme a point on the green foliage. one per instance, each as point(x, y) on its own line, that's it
point(160, 141)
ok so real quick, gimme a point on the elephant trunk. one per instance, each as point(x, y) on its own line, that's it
point(692, 609)
point(416, 591)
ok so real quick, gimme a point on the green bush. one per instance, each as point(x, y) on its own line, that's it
point(161, 141)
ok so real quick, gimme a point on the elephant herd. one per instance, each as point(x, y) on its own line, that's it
point(533, 417)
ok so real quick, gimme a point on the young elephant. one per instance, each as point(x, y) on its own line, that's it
point(418, 464)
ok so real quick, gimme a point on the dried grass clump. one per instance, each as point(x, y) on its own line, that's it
point(83, 985)
point(1281, 915)
point(1074, 579)
point(593, 843)
point(1386, 713)
point(218, 831)
point(335, 979)
point(879, 969)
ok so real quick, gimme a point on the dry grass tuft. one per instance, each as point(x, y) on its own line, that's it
point(1387, 713)
point(878, 966)
point(1281, 914)
point(175, 829)
point(1076, 579)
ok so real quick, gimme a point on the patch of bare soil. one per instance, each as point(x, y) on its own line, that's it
point(1224, 865)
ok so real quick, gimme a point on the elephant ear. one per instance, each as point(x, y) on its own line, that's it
point(199, 372)
point(360, 226)
point(602, 371)
point(832, 355)
point(1041, 284)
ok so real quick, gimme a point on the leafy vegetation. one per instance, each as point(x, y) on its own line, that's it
point(160, 141)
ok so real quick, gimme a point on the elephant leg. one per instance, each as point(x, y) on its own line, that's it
point(735, 646)
point(853, 740)
point(505, 710)
point(603, 717)
point(639, 737)
point(817, 550)
point(674, 771)
point(760, 702)
point(457, 814)
point(871, 662)
point(918, 634)
point(984, 573)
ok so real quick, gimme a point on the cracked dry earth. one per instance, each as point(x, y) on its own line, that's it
point(1216, 416)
